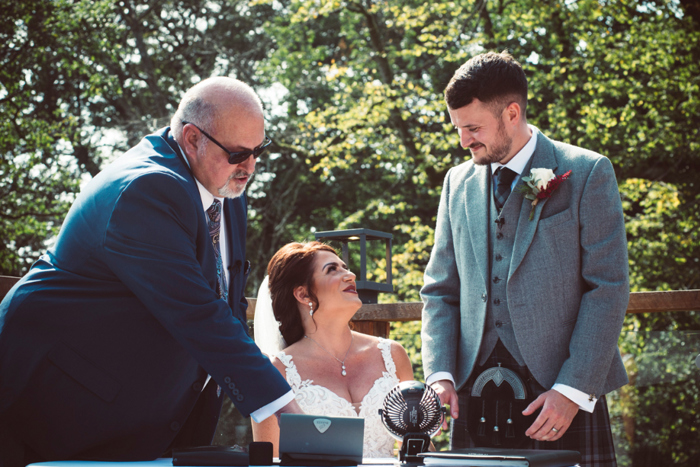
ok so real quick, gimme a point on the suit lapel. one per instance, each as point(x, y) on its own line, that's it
point(170, 140)
point(476, 203)
point(542, 158)
point(185, 170)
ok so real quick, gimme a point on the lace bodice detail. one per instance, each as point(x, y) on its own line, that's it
point(319, 400)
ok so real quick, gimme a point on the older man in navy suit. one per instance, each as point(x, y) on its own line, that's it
point(119, 341)
point(538, 287)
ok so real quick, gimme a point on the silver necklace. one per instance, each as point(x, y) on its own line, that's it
point(342, 362)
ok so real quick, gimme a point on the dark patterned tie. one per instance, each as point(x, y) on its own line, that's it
point(214, 214)
point(501, 190)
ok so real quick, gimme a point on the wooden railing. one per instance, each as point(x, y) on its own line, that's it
point(375, 319)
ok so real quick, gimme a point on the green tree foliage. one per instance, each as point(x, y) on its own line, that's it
point(365, 112)
point(82, 81)
point(364, 83)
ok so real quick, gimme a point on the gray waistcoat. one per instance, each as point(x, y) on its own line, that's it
point(501, 239)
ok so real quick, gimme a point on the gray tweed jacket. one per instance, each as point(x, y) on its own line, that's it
point(568, 284)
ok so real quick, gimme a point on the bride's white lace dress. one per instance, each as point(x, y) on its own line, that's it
point(319, 400)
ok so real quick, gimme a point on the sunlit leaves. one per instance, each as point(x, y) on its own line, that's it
point(663, 236)
point(81, 81)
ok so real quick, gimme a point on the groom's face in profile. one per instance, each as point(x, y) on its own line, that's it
point(483, 131)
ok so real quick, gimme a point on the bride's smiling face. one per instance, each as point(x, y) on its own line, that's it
point(333, 283)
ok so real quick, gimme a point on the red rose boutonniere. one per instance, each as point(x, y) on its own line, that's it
point(540, 185)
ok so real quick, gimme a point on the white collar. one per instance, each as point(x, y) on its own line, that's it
point(519, 161)
point(207, 197)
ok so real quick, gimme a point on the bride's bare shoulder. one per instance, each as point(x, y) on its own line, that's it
point(404, 368)
point(373, 341)
point(276, 361)
point(298, 351)
point(365, 341)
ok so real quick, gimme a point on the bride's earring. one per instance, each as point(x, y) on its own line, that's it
point(311, 309)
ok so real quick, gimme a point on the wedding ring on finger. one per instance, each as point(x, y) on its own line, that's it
point(555, 430)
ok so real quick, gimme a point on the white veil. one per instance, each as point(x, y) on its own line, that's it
point(266, 328)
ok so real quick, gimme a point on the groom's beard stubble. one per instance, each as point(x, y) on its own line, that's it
point(499, 151)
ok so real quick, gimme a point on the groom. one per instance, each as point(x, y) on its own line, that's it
point(120, 343)
point(540, 289)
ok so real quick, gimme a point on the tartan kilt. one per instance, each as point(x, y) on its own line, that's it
point(589, 433)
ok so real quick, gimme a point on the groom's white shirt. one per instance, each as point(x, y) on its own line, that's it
point(518, 164)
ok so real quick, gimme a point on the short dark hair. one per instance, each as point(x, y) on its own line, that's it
point(290, 267)
point(496, 79)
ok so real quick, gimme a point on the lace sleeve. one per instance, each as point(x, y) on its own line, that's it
point(385, 346)
point(291, 373)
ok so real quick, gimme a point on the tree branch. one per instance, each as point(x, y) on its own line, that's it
point(387, 74)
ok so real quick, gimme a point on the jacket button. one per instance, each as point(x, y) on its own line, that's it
point(484, 297)
point(498, 257)
point(174, 426)
point(197, 386)
point(239, 398)
point(499, 324)
point(231, 386)
point(496, 280)
point(235, 392)
point(496, 301)
point(499, 235)
point(227, 380)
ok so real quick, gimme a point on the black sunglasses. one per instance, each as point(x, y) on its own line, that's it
point(240, 156)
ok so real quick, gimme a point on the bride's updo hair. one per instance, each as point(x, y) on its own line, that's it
point(292, 266)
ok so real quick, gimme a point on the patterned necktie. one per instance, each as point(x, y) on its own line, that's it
point(214, 214)
point(501, 190)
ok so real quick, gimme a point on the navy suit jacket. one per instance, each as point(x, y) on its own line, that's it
point(106, 343)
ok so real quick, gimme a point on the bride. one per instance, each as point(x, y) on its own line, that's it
point(333, 370)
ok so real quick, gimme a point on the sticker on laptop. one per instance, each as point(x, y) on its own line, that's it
point(322, 424)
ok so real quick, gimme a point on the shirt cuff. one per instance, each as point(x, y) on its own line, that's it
point(438, 376)
point(584, 401)
point(270, 409)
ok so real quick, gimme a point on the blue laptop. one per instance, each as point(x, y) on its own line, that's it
point(318, 440)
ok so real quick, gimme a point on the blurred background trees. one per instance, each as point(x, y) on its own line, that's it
point(353, 95)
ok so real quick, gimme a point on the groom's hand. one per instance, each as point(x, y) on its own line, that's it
point(448, 396)
point(555, 418)
point(292, 407)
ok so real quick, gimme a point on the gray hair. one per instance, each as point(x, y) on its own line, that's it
point(202, 103)
point(194, 109)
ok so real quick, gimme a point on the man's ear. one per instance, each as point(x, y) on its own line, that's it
point(191, 139)
point(512, 113)
point(301, 294)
